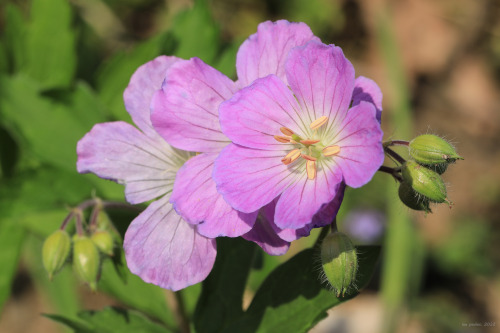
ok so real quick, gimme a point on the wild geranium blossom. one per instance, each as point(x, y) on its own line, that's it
point(159, 245)
point(185, 113)
point(295, 141)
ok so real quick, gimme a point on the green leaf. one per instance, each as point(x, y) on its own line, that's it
point(222, 292)
point(11, 240)
point(111, 320)
point(292, 298)
point(135, 293)
point(14, 37)
point(196, 33)
point(50, 44)
point(114, 76)
point(49, 128)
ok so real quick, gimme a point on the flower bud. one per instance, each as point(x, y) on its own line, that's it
point(104, 241)
point(424, 181)
point(412, 199)
point(432, 150)
point(86, 260)
point(339, 262)
point(55, 251)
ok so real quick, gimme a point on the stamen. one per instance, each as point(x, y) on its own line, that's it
point(309, 142)
point(286, 131)
point(331, 150)
point(309, 158)
point(291, 156)
point(311, 169)
point(318, 122)
point(282, 139)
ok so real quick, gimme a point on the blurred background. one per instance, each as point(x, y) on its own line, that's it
point(64, 66)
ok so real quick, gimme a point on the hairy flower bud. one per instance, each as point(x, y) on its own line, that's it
point(339, 262)
point(424, 181)
point(86, 260)
point(55, 251)
point(104, 241)
point(432, 150)
point(412, 199)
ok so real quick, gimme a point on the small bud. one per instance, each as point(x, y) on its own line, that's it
point(86, 260)
point(432, 150)
point(412, 199)
point(55, 251)
point(424, 181)
point(104, 241)
point(339, 262)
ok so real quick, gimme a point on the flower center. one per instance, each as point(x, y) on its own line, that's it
point(310, 149)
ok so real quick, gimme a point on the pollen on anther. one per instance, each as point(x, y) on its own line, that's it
point(282, 139)
point(291, 156)
point(309, 142)
point(318, 122)
point(331, 150)
point(286, 131)
point(311, 169)
point(309, 158)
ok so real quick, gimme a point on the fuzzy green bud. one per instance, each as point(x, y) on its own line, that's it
point(339, 261)
point(424, 181)
point(412, 199)
point(104, 241)
point(55, 251)
point(434, 151)
point(86, 261)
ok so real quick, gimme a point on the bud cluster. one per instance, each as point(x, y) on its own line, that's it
point(89, 246)
point(420, 179)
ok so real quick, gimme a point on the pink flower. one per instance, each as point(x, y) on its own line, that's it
point(297, 139)
point(175, 248)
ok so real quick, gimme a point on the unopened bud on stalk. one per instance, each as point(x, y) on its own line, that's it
point(434, 151)
point(339, 262)
point(412, 199)
point(424, 181)
point(86, 260)
point(55, 251)
point(104, 241)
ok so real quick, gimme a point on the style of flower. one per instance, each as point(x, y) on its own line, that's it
point(295, 141)
point(185, 113)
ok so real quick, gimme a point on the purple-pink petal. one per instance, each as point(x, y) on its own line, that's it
point(143, 83)
point(360, 138)
point(367, 90)
point(322, 79)
point(120, 152)
point(185, 111)
point(265, 52)
point(305, 197)
point(196, 199)
point(264, 232)
point(249, 179)
point(163, 249)
point(255, 114)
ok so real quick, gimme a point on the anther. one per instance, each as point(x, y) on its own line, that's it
point(291, 156)
point(309, 158)
point(286, 131)
point(311, 169)
point(309, 142)
point(318, 122)
point(282, 139)
point(331, 150)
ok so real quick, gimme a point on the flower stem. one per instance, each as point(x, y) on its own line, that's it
point(396, 143)
point(394, 155)
point(176, 304)
point(394, 172)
